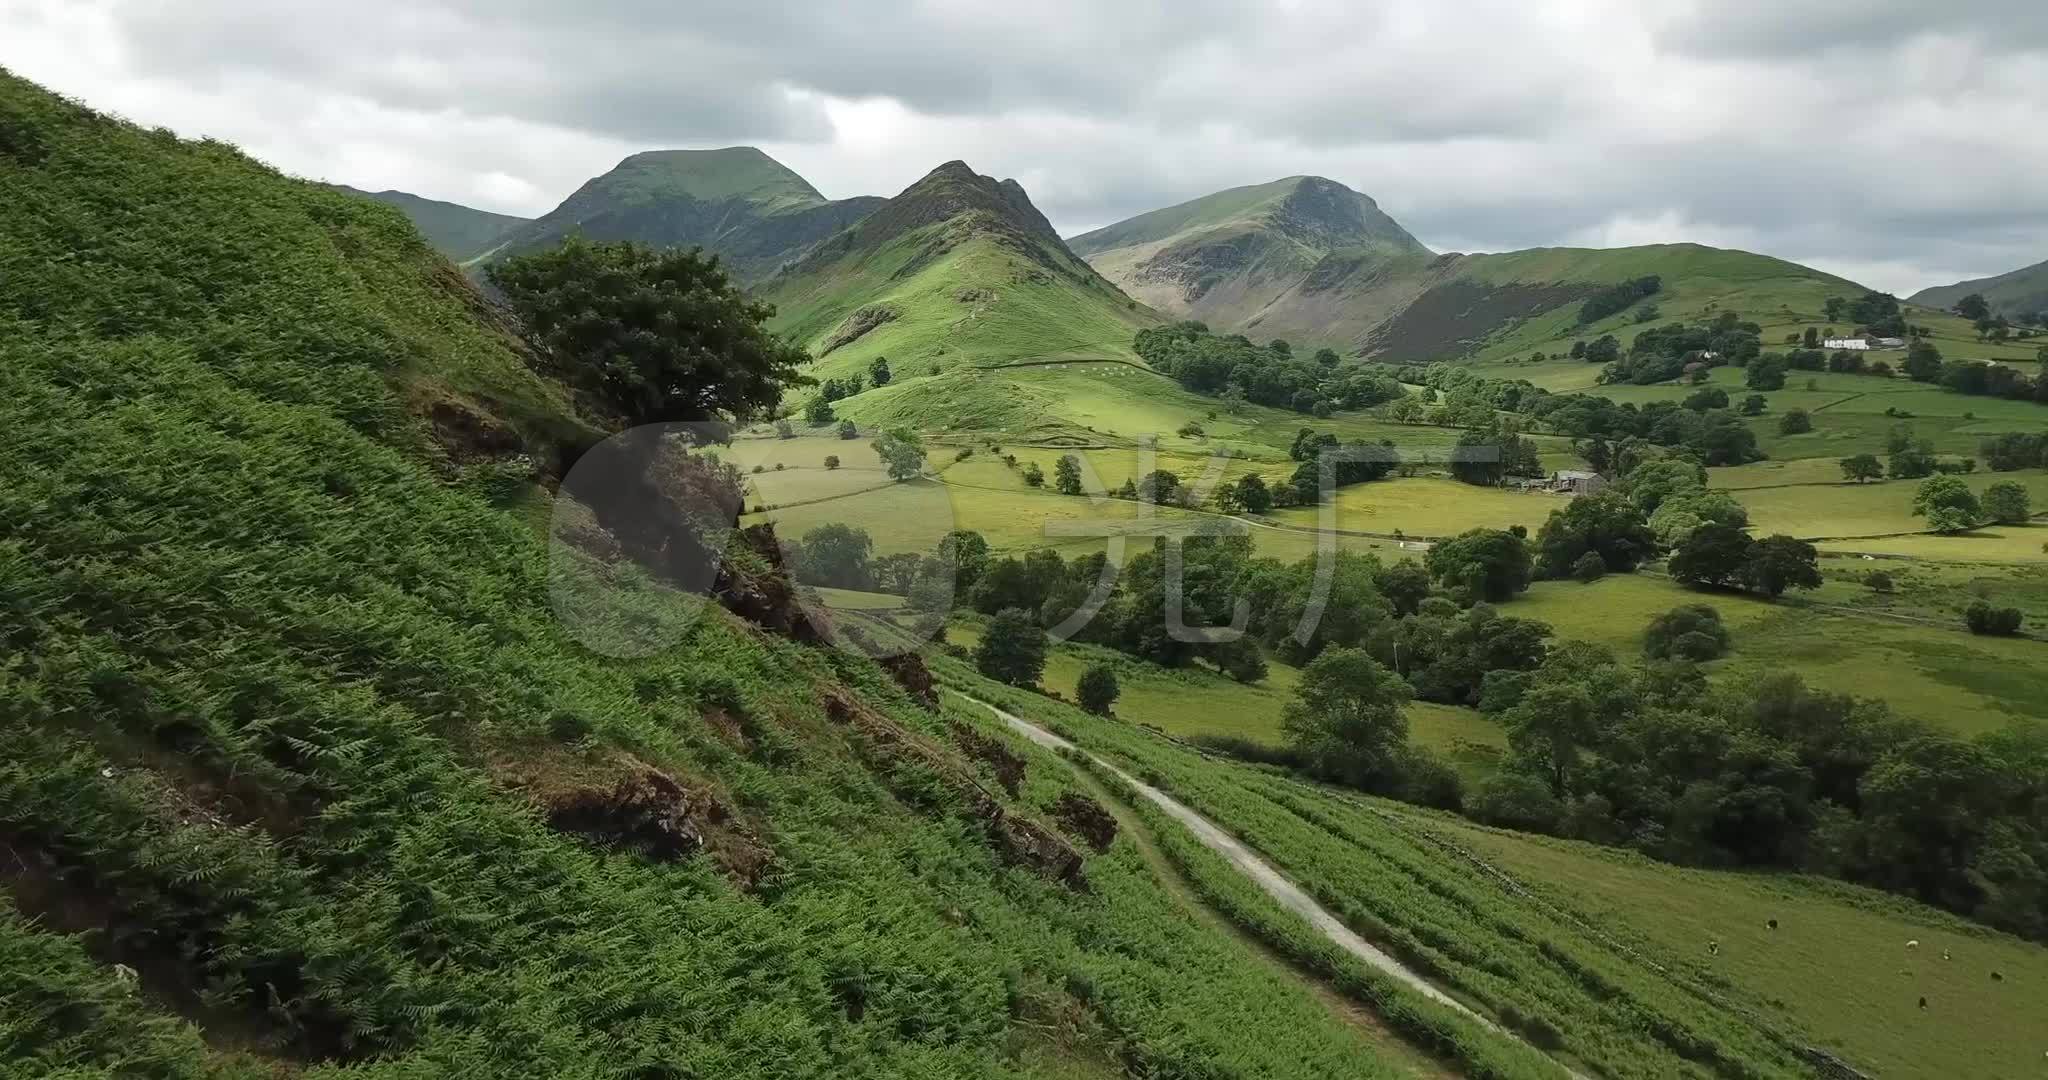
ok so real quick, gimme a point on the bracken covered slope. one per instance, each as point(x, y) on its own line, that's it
point(301, 775)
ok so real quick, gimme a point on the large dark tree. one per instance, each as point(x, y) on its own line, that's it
point(1487, 564)
point(656, 335)
point(1606, 525)
point(1712, 555)
point(1777, 563)
point(1013, 649)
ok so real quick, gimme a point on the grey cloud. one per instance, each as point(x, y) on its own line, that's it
point(1880, 133)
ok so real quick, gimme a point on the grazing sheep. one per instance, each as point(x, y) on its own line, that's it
point(1913, 944)
point(1773, 924)
point(1713, 948)
point(1945, 955)
point(1923, 1004)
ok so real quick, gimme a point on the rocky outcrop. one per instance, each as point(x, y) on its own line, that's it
point(1085, 818)
point(856, 325)
point(916, 680)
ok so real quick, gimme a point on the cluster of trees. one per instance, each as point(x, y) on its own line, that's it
point(2014, 450)
point(1618, 298)
point(1234, 368)
point(1771, 774)
point(1725, 556)
point(1608, 429)
point(1975, 377)
point(1663, 353)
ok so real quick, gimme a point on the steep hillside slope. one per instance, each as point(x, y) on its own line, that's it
point(301, 774)
point(958, 271)
point(738, 202)
point(2019, 293)
point(457, 231)
point(1224, 257)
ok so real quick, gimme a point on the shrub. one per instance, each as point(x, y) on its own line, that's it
point(1879, 581)
point(831, 461)
point(1517, 801)
point(1686, 632)
point(1097, 690)
point(1982, 618)
point(1590, 568)
point(1795, 422)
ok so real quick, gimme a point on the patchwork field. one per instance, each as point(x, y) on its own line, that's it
point(1937, 673)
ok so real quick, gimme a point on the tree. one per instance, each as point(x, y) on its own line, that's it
point(1013, 649)
point(1766, 372)
point(1922, 362)
point(1549, 728)
point(902, 453)
point(1780, 562)
point(836, 556)
point(878, 372)
point(1097, 690)
point(1833, 308)
point(1487, 564)
point(1327, 357)
point(1650, 483)
point(2007, 503)
point(1712, 555)
point(818, 412)
point(847, 430)
point(1862, 467)
point(1707, 399)
point(1578, 350)
point(1947, 503)
point(967, 552)
point(1754, 405)
point(1252, 494)
point(1347, 718)
point(658, 335)
point(1066, 475)
point(1606, 525)
point(1973, 307)
point(1795, 422)
point(1159, 486)
point(1604, 350)
point(1687, 632)
point(831, 461)
point(1405, 585)
point(784, 430)
point(1911, 462)
point(1589, 568)
point(1982, 618)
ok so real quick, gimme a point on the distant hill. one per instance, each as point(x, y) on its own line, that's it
point(1466, 305)
point(738, 202)
point(457, 231)
point(1224, 257)
point(959, 271)
point(2022, 292)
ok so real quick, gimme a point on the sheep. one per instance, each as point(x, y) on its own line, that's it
point(1713, 948)
point(1923, 1004)
point(1913, 944)
point(1771, 923)
point(1945, 955)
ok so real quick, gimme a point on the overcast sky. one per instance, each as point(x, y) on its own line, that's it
point(1901, 143)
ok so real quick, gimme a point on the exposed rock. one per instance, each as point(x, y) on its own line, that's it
point(1008, 766)
point(645, 811)
point(1085, 818)
point(1017, 841)
point(857, 324)
point(753, 584)
point(916, 680)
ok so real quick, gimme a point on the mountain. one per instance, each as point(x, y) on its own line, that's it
point(959, 272)
point(1310, 260)
point(2019, 293)
point(1497, 304)
point(1224, 257)
point(738, 202)
point(457, 231)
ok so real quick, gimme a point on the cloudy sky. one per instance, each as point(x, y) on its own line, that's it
point(1897, 142)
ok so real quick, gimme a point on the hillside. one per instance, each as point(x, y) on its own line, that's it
point(738, 202)
point(1224, 258)
point(457, 231)
point(301, 773)
point(2015, 295)
point(958, 272)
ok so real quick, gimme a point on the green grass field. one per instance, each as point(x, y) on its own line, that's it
point(1837, 965)
point(1848, 510)
point(1427, 506)
point(1941, 675)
